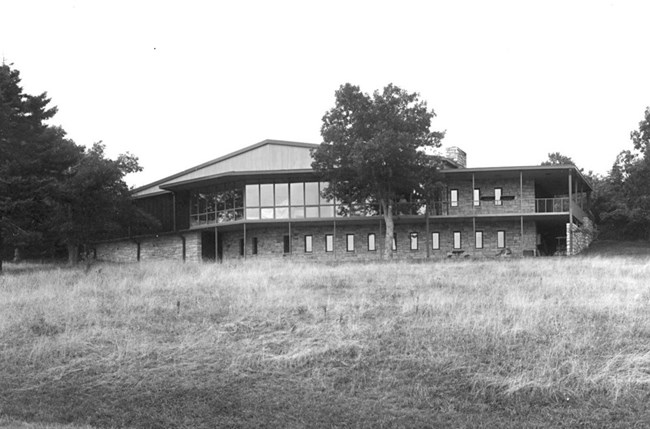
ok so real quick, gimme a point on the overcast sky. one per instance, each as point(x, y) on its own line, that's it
point(178, 83)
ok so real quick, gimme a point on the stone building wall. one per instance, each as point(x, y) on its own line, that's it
point(579, 237)
point(522, 202)
point(152, 248)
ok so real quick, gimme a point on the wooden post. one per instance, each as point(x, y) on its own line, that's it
point(290, 240)
point(570, 234)
point(174, 211)
point(216, 245)
point(244, 240)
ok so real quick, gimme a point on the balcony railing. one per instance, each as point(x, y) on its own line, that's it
point(551, 205)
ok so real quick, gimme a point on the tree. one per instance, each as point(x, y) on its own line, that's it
point(53, 191)
point(93, 201)
point(32, 156)
point(622, 201)
point(556, 158)
point(374, 149)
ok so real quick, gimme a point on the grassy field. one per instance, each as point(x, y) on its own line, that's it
point(545, 342)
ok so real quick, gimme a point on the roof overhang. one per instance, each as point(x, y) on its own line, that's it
point(536, 171)
point(244, 177)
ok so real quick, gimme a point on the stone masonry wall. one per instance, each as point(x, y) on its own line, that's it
point(270, 240)
point(510, 188)
point(153, 248)
point(579, 237)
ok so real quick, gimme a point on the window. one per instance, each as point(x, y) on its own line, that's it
point(435, 240)
point(287, 244)
point(266, 194)
point(308, 244)
point(479, 239)
point(454, 198)
point(241, 247)
point(457, 242)
point(372, 245)
point(394, 245)
point(329, 243)
point(477, 197)
point(254, 246)
point(501, 239)
point(349, 242)
point(497, 196)
point(413, 237)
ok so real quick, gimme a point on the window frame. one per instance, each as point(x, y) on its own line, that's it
point(460, 240)
point(329, 243)
point(349, 240)
point(477, 197)
point(372, 248)
point(413, 238)
point(254, 246)
point(453, 197)
point(497, 200)
point(501, 237)
point(309, 243)
point(435, 242)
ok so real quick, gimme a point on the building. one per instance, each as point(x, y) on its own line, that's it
point(264, 201)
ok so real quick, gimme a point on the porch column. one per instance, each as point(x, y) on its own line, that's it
point(216, 245)
point(290, 240)
point(244, 240)
point(334, 238)
point(570, 233)
point(174, 211)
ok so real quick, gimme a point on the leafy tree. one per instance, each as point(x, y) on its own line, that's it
point(556, 158)
point(53, 191)
point(32, 157)
point(374, 149)
point(622, 201)
point(93, 201)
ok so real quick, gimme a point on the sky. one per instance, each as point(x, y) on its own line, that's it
point(178, 83)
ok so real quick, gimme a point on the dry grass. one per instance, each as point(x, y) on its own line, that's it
point(538, 342)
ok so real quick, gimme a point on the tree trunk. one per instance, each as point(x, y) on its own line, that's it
point(73, 254)
point(2, 247)
point(390, 227)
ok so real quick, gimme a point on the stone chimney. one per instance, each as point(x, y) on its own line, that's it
point(457, 155)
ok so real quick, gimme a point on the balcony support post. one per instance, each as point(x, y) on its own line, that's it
point(570, 233)
point(244, 240)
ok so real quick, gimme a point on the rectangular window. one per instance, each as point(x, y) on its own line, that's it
point(254, 246)
point(241, 247)
point(372, 246)
point(413, 237)
point(497, 196)
point(297, 194)
point(477, 197)
point(329, 243)
point(312, 196)
point(349, 242)
point(501, 239)
point(435, 240)
point(281, 194)
point(454, 198)
point(311, 211)
point(479, 239)
point(394, 245)
point(457, 242)
point(308, 244)
point(287, 244)
point(266, 194)
point(252, 196)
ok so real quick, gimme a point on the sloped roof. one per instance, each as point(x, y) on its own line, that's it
point(267, 155)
